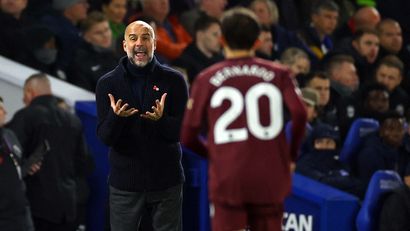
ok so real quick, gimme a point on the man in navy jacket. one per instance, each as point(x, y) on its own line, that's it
point(140, 105)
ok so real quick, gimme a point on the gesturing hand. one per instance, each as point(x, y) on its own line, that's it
point(158, 109)
point(121, 110)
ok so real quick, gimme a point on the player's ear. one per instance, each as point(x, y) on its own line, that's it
point(257, 44)
point(222, 41)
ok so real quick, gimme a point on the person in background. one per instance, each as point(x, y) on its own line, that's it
point(212, 8)
point(52, 190)
point(370, 101)
point(268, 16)
point(364, 48)
point(365, 17)
point(13, 18)
point(41, 50)
point(238, 105)
point(298, 62)
point(380, 150)
point(14, 207)
point(95, 56)
point(140, 105)
point(205, 50)
point(321, 162)
point(64, 24)
point(389, 72)
point(317, 36)
point(311, 99)
point(265, 47)
point(343, 76)
point(172, 38)
point(115, 11)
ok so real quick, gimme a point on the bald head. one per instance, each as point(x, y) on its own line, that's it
point(390, 35)
point(36, 85)
point(366, 17)
point(137, 24)
point(139, 43)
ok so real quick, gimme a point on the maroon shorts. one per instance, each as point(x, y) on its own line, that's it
point(267, 217)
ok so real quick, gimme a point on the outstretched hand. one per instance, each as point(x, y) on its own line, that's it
point(121, 110)
point(158, 109)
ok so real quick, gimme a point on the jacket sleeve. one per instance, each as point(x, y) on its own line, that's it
point(169, 125)
point(18, 126)
point(109, 125)
point(292, 98)
point(194, 116)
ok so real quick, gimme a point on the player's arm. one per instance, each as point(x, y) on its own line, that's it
point(298, 115)
point(191, 125)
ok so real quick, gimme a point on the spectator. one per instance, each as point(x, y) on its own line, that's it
point(317, 36)
point(371, 101)
point(297, 61)
point(115, 11)
point(364, 49)
point(172, 38)
point(322, 163)
point(95, 56)
point(14, 207)
point(41, 50)
point(205, 50)
point(52, 190)
point(310, 98)
point(380, 150)
point(366, 17)
point(265, 47)
point(327, 105)
point(13, 19)
point(145, 154)
point(389, 72)
point(343, 76)
point(268, 15)
point(251, 199)
point(64, 25)
point(212, 8)
point(391, 42)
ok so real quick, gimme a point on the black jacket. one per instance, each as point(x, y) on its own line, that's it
point(144, 155)
point(52, 190)
point(13, 201)
point(395, 211)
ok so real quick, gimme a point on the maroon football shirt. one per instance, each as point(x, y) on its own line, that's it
point(242, 102)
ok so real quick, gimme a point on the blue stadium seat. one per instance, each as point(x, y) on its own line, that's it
point(381, 183)
point(359, 128)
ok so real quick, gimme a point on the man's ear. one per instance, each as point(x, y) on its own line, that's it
point(124, 46)
point(222, 41)
point(257, 44)
point(355, 44)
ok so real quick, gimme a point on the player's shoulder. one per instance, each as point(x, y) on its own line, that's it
point(275, 65)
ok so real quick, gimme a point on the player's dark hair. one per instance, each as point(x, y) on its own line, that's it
point(240, 28)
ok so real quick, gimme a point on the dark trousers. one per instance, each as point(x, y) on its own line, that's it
point(126, 209)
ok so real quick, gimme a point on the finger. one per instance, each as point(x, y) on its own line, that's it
point(156, 110)
point(131, 111)
point(124, 107)
point(149, 115)
point(112, 100)
point(118, 104)
point(163, 97)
